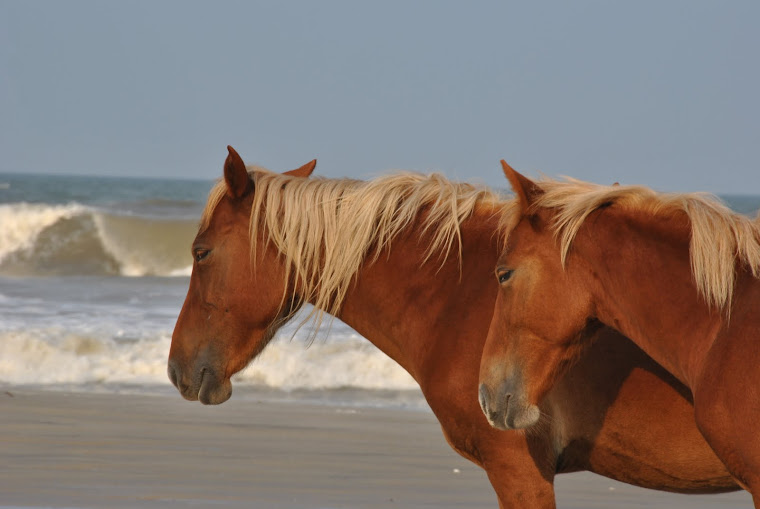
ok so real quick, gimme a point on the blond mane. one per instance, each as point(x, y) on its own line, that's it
point(719, 237)
point(325, 229)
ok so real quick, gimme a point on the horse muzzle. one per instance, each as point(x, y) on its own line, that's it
point(506, 409)
point(204, 384)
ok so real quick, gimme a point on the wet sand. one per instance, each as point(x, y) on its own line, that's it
point(83, 450)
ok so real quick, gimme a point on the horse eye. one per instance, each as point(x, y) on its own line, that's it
point(503, 275)
point(200, 254)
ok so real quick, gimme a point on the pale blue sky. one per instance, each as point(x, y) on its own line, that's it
point(662, 93)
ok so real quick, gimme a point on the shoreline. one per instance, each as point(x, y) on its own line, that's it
point(63, 449)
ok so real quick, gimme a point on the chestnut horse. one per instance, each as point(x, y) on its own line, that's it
point(406, 261)
point(677, 273)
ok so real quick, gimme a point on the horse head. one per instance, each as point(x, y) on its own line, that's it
point(530, 344)
point(237, 296)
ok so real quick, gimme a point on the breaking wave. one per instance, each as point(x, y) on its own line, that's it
point(73, 239)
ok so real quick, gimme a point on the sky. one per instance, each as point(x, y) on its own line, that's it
point(658, 93)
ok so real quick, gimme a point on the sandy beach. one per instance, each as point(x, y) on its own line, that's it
point(85, 450)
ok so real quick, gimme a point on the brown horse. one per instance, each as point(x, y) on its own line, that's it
point(405, 260)
point(677, 273)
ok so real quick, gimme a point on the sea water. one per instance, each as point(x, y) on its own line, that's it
point(93, 274)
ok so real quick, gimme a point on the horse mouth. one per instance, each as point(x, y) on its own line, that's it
point(212, 390)
point(521, 415)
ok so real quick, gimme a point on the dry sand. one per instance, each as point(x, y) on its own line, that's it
point(80, 450)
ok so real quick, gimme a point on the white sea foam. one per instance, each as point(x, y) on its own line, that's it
point(344, 361)
point(54, 356)
point(57, 355)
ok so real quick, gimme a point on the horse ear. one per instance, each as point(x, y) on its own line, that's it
point(526, 190)
point(304, 171)
point(236, 176)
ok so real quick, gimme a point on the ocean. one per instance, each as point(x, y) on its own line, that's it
point(93, 273)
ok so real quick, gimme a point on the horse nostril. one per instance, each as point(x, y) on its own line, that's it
point(483, 398)
point(171, 370)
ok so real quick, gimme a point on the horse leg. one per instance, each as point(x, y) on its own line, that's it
point(731, 448)
point(521, 468)
point(517, 489)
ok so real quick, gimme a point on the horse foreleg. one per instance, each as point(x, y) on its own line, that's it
point(520, 466)
point(516, 489)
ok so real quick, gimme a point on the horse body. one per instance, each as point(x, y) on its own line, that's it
point(644, 285)
point(630, 270)
point(431, 314)
point(432, 319)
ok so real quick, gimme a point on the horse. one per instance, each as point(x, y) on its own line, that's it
point(404, 259)
point(676, 273)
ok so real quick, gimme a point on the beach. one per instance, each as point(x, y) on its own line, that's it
point(95, 450)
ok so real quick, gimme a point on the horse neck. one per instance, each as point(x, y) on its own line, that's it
point(429, 316)
point(643, 286)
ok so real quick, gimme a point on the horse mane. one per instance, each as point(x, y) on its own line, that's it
point(325, 229)
point(719, 237)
